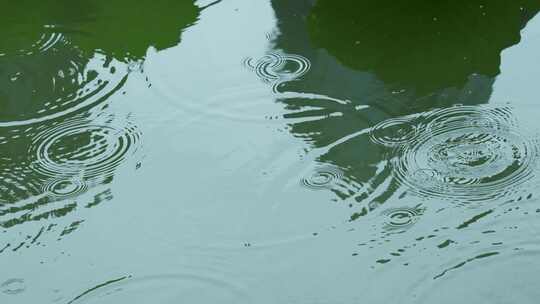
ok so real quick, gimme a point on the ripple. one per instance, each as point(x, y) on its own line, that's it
point(43, 42)
point(277, 68)
point(394, 132)
point(172, 288)
point(90, 150)
point(401, 218)
point(55, 84)
point(64, 188)
point(322, 178)
point(467, 153)
point(13, 286)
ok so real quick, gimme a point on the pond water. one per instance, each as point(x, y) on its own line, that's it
point(269, 151)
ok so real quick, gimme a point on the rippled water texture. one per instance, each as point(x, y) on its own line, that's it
point(271, 151)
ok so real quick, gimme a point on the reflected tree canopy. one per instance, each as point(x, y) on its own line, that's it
point(387, 59)
point(58, 56)
point(60, 62)
point(420, 44)
point(123, 29)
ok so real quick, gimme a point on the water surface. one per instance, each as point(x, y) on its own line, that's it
point(269, 151)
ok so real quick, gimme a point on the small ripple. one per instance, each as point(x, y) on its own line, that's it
point(167, 288)
point(467, 153)
point(322, 178)
point(401, 218)
point(90, 150)
point(277, 68)
point(65, 188)
point(395, 131)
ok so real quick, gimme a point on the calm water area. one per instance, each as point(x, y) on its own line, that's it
point(269, 151)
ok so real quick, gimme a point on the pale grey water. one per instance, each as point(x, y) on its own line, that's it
point(249, 162)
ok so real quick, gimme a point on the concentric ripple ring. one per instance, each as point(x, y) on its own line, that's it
point(467, 153)
point(401, 217)
point(65, 188)
point(276, 68)
point(86, 149)
point(322, 178)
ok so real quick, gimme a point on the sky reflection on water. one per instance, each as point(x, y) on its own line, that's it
point(269, 151)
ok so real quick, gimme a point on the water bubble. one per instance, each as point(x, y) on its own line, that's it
point(91, 150)
point(13, 286)
point(467, 153)
point(322, 178)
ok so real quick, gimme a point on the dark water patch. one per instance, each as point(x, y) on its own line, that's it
point(42, 43)
point(60, 58)
point(372, 36)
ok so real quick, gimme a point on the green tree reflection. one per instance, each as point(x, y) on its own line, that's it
point(395, 57)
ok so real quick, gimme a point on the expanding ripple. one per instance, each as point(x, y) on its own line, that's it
point(45, 41)
point(401, 218)
point(172, 288)
point(395, 131)
point(55, 84)
point(90, 150)
point(65, 188)
point(322, 178)
point(468, 154)
point(277, 68)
